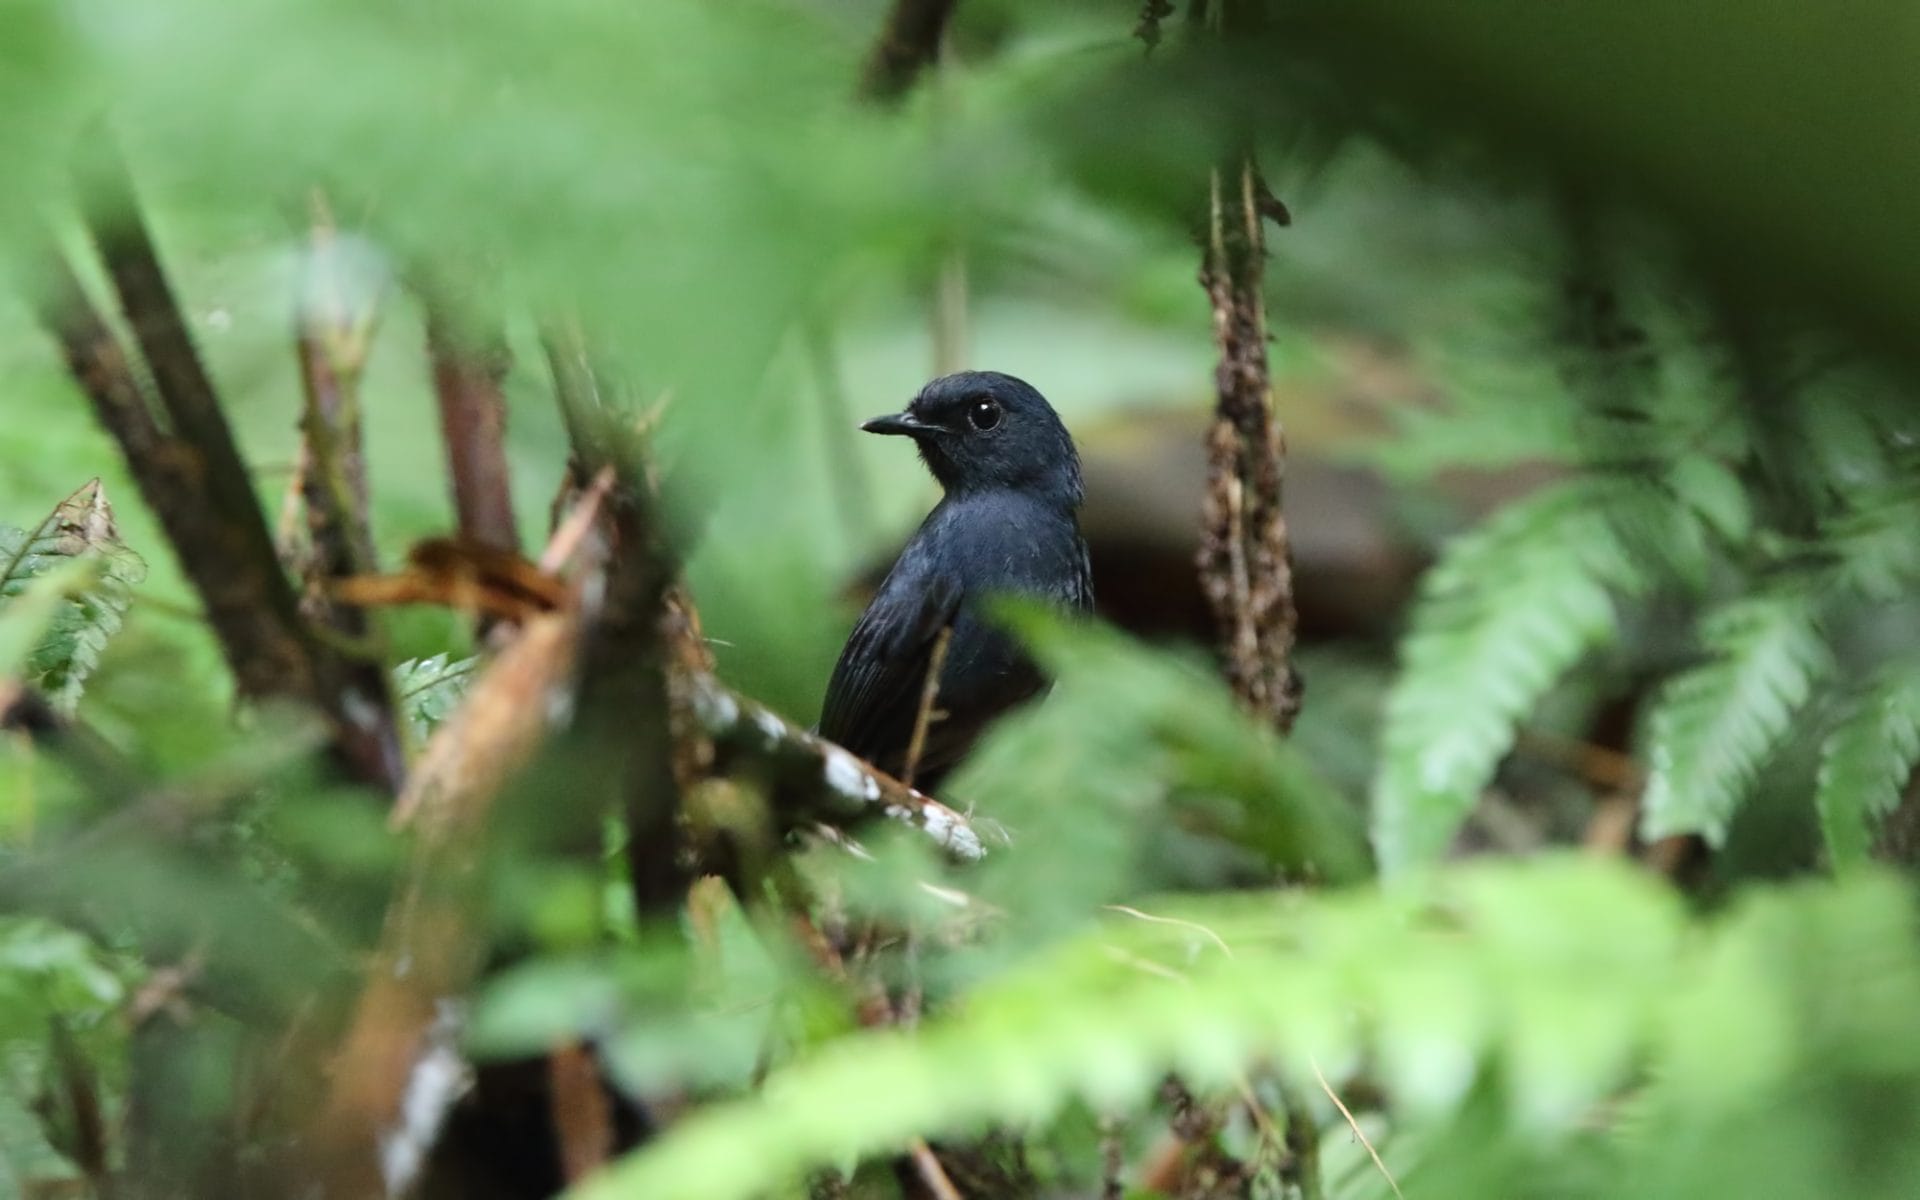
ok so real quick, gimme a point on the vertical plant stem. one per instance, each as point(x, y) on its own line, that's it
point(468, 373)
point(1245, 562)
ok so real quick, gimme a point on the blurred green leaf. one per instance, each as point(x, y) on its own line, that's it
point(1569, 973)
point(1510, 607)
point(67, 622)
point(1866, 762)
point(428, 689)
point(1714, 726)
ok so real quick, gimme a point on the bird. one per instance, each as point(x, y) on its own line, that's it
point(1006, 524)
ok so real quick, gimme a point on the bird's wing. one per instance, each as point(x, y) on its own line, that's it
point(874, 694)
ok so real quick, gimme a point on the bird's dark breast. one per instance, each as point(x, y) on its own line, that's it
point(968, 550)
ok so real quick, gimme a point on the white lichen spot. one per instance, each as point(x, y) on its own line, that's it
point(845, 775)
point(559, 706)
point(439, 1077)
point(770, 726)
point(715, 706)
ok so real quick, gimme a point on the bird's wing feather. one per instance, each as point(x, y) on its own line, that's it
point(874, 695)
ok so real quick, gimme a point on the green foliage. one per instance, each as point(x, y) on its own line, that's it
point(1508, 610)
point(1866, 761)
point(51, 976)
point(68, 621)
point(707, 1010)
point(1561, 981)
point(1714, 726)
point(1169, 779)
point(1779, 542)
point(428, 689)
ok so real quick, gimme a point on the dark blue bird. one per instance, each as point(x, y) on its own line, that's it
point(1008, 524)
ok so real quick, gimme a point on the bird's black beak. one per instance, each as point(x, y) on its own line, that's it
point(903, 424)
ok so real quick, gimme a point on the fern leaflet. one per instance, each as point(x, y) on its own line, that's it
point(1509, 608)
point(1577, 978)
point(80, 529)
point(430, 688)
point(1865, 763)
point(1716, 724)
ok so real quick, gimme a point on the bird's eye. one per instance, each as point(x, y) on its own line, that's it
point(984, 415)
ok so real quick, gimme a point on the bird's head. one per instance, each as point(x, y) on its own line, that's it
point(980, 430)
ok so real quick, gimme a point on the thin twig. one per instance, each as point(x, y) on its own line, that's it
point(1193, 925)
point(925, 715)
point(572, 530)
point(931, 1172)
point(1354, 1125)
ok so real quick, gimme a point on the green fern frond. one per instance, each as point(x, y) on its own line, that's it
point(1866, 761)
point(1486, 423)
point(1509, 608)
point(1877, 542)
point(430, 688)
point(1715, 725)
point(79, 529)
point(1572, 978)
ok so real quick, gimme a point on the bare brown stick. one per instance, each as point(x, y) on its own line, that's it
point(90, 1149)
point(908, 44)
point(626, 697)
point(333, 343)
point(468, 373)
point(1245, 563)
point(332, 338)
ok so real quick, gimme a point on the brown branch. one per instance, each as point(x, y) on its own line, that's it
point(332, 340)
point(192, 476)
point(908, 44)
point(468, 373)
point(251, 611)
point(818, 780)
point(1245, 563)
point(626, 702)
point(332, 343)
point(90, 1149)
point(582, 1115)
